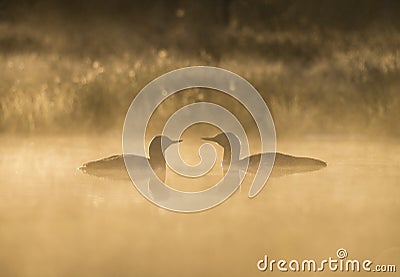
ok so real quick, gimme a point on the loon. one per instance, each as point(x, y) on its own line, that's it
point(284, 164)
point(114, 166)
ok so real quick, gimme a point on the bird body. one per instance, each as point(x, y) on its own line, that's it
point(110, 167)
point(283, 164)
point(114, 166)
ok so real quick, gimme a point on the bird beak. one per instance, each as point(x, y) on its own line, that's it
point(176, 141)
point(209, 139)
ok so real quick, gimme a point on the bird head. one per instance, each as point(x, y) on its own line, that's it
point(163, 142)
point(221, 139)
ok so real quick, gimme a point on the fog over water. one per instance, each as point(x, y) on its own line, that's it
point(328, 71)
point(58, 221)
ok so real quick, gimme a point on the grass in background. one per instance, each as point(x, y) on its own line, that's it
point(327, 82)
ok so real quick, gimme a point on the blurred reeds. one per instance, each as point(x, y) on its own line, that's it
point(67, 77)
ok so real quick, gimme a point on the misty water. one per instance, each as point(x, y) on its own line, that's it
point(57, 221)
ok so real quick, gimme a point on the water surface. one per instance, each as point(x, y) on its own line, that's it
point(56, 221)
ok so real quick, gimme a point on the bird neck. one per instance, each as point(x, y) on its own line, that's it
point(231, 153)
point(157, 161)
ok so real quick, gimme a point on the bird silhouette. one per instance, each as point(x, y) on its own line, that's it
point(114, 166)
point(284, 164)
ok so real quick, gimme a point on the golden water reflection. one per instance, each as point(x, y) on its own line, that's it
point(56, 221)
